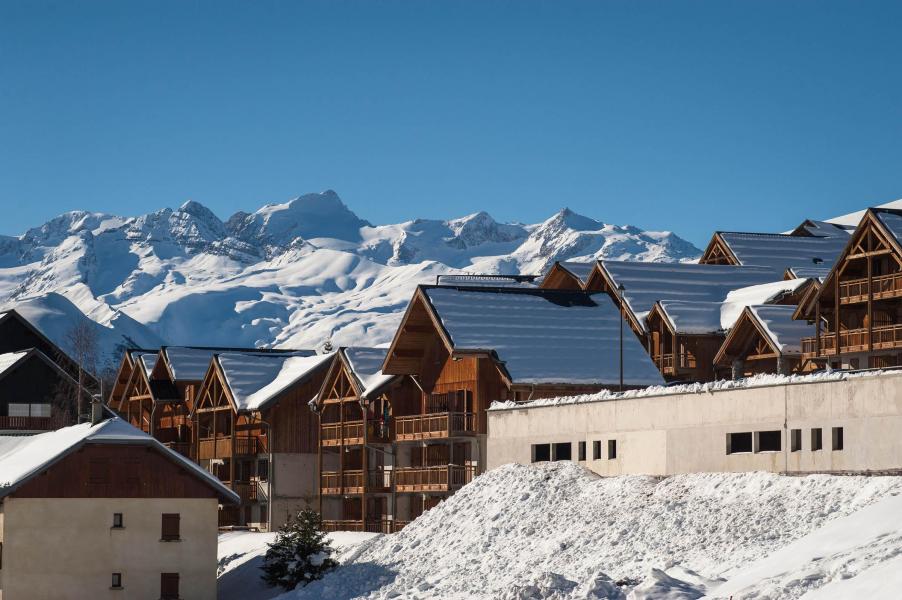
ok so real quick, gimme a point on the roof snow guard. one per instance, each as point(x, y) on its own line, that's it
point(25, 457)
point(542, 336)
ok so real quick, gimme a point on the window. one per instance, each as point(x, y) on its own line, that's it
point(170, 527)
point(817, 439)
point(738, 443)
point(562, 451)
point(28, 410)
point(541, 452)
point(117, 520)
point(795, 440)
point(582, 451)
point(768, 441)
point(169, 586)
point(116, 583)
point(596, 449)
point(837, 438)
point(612, 449)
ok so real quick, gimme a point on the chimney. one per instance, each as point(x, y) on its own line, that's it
point(96, 410)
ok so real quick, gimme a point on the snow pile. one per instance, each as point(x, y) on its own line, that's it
point(556, 530)
point(760, 380)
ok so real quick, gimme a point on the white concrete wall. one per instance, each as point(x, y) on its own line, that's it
point(62, 548)
point(685, 433)
point(295, 487)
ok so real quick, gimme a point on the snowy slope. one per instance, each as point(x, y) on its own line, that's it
point(558, 531)
point(293, 274)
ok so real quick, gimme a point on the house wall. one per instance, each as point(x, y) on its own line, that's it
point(294, 485)
point(685, 433)
point(60, 548)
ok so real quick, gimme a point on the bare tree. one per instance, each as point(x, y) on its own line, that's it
point(83, 344)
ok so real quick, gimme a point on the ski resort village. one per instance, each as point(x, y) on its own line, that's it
point(298, 404)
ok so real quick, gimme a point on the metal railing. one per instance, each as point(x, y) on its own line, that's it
point(436, 425)
point(442, 478)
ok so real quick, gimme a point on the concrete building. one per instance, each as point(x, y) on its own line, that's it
point(105, 511)
point(834, 423)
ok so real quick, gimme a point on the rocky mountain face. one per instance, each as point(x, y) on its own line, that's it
point(293, 274)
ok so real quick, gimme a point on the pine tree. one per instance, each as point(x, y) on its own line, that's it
point(300, 554)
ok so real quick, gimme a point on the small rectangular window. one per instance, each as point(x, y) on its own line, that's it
point(562, 451)
point(837, 438)
point(582, 451)
point(612, 449)
point(817, 439)
point(116, 582)
point(541, 452)
point(738, 443)
point(170, 527)
point(768, 441)
point(169, 586)
point(596, 450)
point(117, 520)
point(795, 440)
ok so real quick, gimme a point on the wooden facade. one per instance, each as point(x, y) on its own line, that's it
point(857, 311)
point(681, 356)
point(36, 395)
point(750, 350)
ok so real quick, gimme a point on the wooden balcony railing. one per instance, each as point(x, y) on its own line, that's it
point(884, 337)
point(684, 361)
point(184, 448)
point(33, 423)
point(433, 479)
point(371, 525)
point(431, 426)
point(331, 433)
point(884, 286)
point(221, 447)
point(229, 516)
point(247, 491)
point(352, 482)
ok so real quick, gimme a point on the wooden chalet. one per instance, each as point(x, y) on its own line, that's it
point(858, 309)
point(765, 339)
point(17, 333)
point(684, 337)
point(36, 394)
point(773, 250)
point(357, 408)
point(253, 429)
point(568, 275)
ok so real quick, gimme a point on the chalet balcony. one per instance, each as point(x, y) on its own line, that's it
point(337, 483)
point(186, 449)
point(683, 362)
point(435, 426)
point(221, 447)
point(444, 478)
point(884, 337)
point(331, 434)
point(852, 291)
point(370, 525)
point(250, 491)
point(33, 423)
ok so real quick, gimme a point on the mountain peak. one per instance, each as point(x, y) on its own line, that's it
point(572, 220)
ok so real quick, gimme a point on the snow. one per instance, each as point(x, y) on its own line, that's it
point(544, 336)
point(24, 456)
point(646, 283)
point(366, 364)
point(556, 530)
point(761, 380)
point(892, 221)
point(580, 270)
point(240, 555)
point(852, 219)
point(765, 293)
point(9, 359)
point(784, 332)
point(188, 364)
point(810, 272)
point(147, 360)
point(255, 379)
point(780, 252)
point(693, 318)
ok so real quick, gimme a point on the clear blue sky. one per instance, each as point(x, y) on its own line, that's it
point(687, 116)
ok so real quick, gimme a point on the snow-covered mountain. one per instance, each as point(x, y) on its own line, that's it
point(293, 274)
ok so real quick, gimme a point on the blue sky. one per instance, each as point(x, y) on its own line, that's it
point(686, 116)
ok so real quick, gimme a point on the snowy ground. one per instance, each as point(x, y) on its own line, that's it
point(558, 531)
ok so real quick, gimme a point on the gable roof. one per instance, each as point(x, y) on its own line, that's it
point(365, 364)
point(780, 251)
point(541, 336)
point(645, 283)
point(785, 333)
point(51, 350)
point(11, 361)
point(190, 363)
point(22, 458)
point(810, 227)
point(255, 380)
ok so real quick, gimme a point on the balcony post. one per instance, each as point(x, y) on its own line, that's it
point(870, 304)
point(365, 462)
point(838, 331)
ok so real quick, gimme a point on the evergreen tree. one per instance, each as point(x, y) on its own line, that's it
point(300, 554)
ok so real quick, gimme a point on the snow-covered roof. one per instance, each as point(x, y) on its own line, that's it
point(818, 272)
point(188, 364)
point(23, 457)
point(853, 219)
point(580, 270)
point(698, 318)
point(487, 280)
point(255, 379)
point(366, 365)
point(784, 332)
point(543, 336)
point(823, 229)
point(646, 283)
point(780, 251)
point(892, 220)
point(9, 359)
